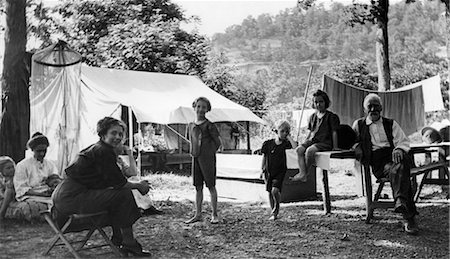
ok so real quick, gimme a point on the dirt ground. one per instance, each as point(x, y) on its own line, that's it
point(302, 231)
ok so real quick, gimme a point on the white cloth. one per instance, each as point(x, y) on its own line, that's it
point(379, 138)
point(432, 95)
point(31, 173)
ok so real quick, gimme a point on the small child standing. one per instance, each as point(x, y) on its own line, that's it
point(274, 165)
point(7, 194)
point(322, 136)
point(205, 142)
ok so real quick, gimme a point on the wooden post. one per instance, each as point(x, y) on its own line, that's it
point(304, 100)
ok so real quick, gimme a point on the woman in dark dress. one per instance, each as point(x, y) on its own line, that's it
point(95, 183)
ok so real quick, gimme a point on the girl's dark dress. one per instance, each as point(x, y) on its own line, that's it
point(95, 183)
point(204, 144)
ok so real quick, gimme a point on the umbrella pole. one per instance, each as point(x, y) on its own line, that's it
point(304, 101)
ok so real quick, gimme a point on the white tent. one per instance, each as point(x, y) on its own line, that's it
point(153, 97)
point(162, 98)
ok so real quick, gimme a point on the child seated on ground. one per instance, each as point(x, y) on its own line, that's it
point(274, 165)
point(322, 136)
point(7, 194)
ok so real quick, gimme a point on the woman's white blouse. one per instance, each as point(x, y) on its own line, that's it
point(31, 173)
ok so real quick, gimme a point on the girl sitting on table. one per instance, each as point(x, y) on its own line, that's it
point(322, 136)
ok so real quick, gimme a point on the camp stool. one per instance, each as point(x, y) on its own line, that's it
point(78, 223)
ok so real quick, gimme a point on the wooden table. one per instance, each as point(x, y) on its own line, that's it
point(441, 164)
point(323, 163)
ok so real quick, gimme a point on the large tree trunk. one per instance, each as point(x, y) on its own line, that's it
point(382, 47)
point(14, 124)
point(447, 22)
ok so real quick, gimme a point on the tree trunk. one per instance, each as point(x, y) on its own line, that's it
point(382, 47)
point(447, 22)
point(14, 124)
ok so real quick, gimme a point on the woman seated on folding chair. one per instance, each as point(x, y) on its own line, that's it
point(95, 183)
point(31, 180)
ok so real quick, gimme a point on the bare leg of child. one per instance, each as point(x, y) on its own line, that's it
point(271, 201)
point(198, 206)
point(277, 198)
point(214, 216)
point(310, 158)
point(302, 170)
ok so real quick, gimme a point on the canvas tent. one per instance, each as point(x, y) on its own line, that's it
point(153, 97)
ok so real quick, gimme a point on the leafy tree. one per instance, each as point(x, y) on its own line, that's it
point(376, 12)
point(353, 72)
point(221, 78)
point(129, 34)
point(14, 123)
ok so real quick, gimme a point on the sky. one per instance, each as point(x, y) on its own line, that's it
point(217, 15)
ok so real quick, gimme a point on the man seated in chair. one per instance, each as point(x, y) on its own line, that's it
point(382, 144)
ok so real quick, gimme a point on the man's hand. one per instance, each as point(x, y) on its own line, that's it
point(397, 155)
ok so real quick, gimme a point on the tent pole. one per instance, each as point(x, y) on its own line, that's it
point(248, 136)
point(130, 129)
point(304, 100)
point(139, 151)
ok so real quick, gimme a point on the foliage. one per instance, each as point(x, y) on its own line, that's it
point(220, 78)
point(353, 72)
point(129, 34)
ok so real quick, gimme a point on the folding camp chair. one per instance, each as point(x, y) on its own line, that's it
point(78, 223)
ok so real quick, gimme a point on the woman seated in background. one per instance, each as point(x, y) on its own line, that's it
point(32, 192)
point(95, 183)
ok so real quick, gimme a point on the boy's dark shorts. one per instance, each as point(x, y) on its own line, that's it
point(204, 171)
point(274, 181)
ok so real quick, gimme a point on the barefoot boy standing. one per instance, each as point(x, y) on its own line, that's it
point(274, 164)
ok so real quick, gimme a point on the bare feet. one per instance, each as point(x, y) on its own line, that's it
point(273, 217)
point(298, 178)
point(193, 219)
point(214, 219)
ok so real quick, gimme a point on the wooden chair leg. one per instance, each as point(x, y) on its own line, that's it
point(419, 189)
point(368, 187)
point(379, 190)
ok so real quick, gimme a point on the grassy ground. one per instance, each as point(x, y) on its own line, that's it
point(303, 231)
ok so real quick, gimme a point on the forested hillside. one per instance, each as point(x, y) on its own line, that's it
point(272, 54)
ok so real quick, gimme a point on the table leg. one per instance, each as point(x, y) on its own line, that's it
point(326, 192)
